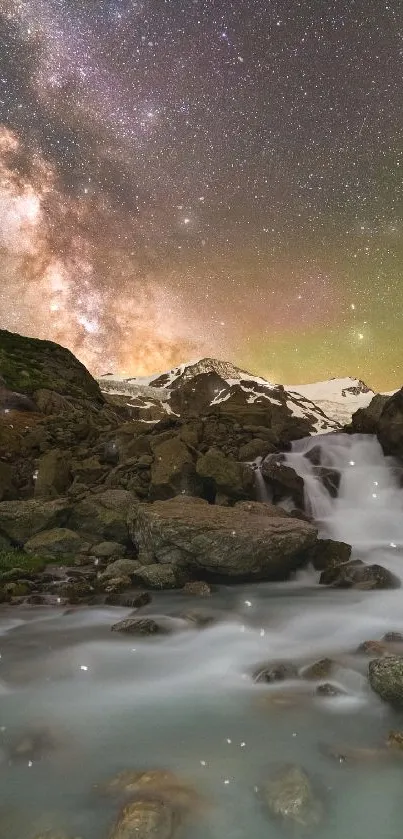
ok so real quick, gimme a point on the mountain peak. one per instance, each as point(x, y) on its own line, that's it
point(184, 372)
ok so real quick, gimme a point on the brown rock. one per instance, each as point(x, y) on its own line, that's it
point(319, 670)
point(197, 588)
point(221, 541)
point(141, 626)
point(289, 796)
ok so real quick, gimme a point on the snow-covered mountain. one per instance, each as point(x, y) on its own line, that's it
point(328, 404)
point(338, 398)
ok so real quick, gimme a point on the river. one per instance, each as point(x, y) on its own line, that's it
point(187, 701)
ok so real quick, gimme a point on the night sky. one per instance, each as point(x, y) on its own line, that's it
point(209, 177)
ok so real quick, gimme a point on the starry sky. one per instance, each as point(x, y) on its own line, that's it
point(181, 178)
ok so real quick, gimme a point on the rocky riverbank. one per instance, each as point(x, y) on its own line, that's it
point(99, 504)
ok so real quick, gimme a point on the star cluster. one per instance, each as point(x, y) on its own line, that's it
point(218, 177)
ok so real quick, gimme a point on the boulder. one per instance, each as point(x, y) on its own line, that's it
point(366, 420)
point(53, 474)
point(160, 576)
point(353, 575)
point(254, 448)
point(173, 470)
point(289, 796)
point(386, 679)
point(222, 474)
point(328, 553)
point(8, 489)
point(20, 520)
point(60, 541)
point(120, 568)
point(283, 481)
point(223, 542)
point(383, 417)
point(103, 516)
point(107, 550)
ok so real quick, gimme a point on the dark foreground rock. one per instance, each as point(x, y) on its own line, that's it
point(386, 679)
point(383, 417)
point(220, 541)
point(289, 796)
point(328, 553)
point(355, 574)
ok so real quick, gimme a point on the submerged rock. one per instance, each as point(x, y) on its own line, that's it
point(395, 740)
point(147, 818)
point(197, 588)
point(275, 672)
point(354, 754)
point(386, 679)
point(372, 648)
point(142, 626)
point(33, 745)
point(328, 689)
point(319, 670)
point(201, 618)
point(289, 796)
point(163, 783)
point(358, 575)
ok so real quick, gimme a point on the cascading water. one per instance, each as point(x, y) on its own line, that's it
point(368, 509)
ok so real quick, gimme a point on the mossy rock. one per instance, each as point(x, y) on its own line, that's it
point(15, 564)
point(29, 364)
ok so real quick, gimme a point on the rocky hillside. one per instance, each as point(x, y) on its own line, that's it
point(115, 498)
point(383, 417)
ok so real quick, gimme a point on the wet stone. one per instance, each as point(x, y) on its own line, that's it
point(372, 648)
point(197, 588)
point(327, 689)
point(289, 796)
point(142, 626)
point(319, 670)
point(145, 819)
point(275, 672)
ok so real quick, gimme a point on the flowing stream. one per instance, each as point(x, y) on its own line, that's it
point(187, 701)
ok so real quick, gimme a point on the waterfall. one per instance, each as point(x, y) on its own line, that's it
point(368, 510)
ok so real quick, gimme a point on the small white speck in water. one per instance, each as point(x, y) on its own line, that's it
point(83, 667)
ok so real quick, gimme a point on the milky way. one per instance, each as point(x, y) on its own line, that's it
point(210, 177)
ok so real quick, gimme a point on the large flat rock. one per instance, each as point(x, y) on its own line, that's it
point(221, 541)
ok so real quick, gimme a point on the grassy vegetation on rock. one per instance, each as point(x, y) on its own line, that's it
point(13, 558)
